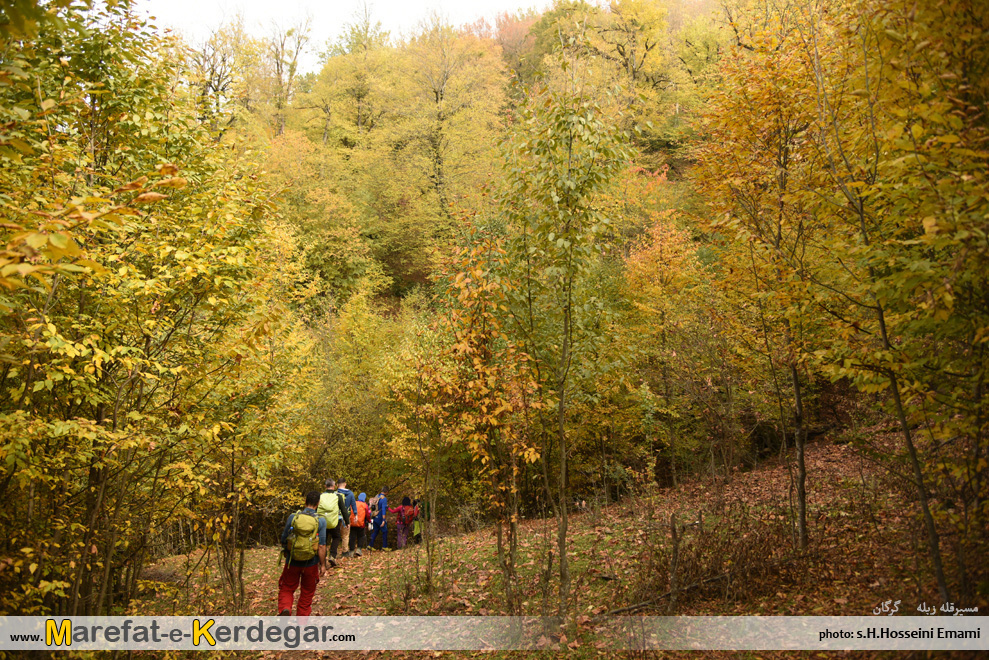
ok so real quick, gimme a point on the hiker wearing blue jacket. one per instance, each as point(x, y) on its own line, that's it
point(349, 507)
point(379, 506)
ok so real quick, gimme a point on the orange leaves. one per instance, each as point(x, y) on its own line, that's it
point(504, 407)
point(145, 198)
point(137, 184)
point(480, 391)
point(173, 182)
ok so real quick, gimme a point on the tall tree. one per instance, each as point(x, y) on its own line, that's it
point(563, 154)
point(284, 47)
point(457, 92)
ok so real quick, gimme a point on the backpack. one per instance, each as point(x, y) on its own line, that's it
point(303, 538)
point(329, 507)
point(358, 519)
point(373, 506)
point(406, 515)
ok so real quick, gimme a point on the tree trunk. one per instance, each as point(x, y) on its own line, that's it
point(798, 419)
point(933, 540)
point(563, 521)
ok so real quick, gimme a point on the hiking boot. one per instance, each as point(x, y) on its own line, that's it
point(358, 553)
point(332, 562)
point(285, 613)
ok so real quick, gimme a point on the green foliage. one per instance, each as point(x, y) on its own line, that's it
point(23, 18)
point(147, 366)
point(401, 137)
point(566, 152)
point(659, 63)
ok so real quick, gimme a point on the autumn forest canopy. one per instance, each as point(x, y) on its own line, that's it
point(536, 273)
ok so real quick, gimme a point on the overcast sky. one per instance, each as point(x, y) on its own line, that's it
point(196, 18)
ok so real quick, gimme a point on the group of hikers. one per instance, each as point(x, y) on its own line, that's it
point(342, 520)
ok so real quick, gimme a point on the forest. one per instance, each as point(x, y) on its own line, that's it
point(656, 305)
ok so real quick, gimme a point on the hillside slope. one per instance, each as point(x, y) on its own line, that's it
point(734, 555)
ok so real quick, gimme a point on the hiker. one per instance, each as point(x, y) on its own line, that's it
point(377, 508)
point(406, 514)
point(358, 527)
point(330, 506)
point(347, 513)
point(304, 545)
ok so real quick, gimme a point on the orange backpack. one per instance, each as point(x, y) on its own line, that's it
point(358, 519)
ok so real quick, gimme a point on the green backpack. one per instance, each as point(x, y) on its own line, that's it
point(303, 538)
point(329, 508)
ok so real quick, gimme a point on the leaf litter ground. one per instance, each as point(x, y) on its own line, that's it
point(866, 548)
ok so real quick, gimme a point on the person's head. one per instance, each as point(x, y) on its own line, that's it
point(384, 490)
point(312, 498)
point(330, 484)
point(362, 497)
point(342, 483)
point(406, 501)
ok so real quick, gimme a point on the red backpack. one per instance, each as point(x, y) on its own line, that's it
point(406, 515)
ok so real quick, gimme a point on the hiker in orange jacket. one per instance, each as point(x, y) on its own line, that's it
point(358, 526)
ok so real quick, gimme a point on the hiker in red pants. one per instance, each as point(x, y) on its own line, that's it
point(304, 543)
